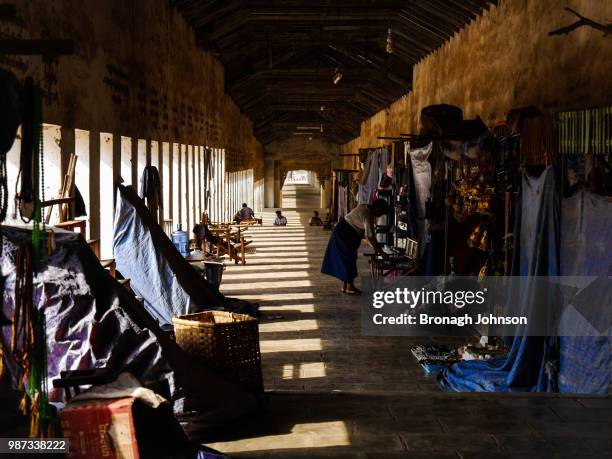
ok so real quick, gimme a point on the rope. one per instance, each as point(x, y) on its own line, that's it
point(22, 321)
point(29, 325)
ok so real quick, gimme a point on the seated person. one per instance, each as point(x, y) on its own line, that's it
point(315, 220)
point(203, 234)
point(237, 218)
point(246, 213)
point(280, 220)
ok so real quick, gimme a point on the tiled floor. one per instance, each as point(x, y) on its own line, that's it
point(336, 393)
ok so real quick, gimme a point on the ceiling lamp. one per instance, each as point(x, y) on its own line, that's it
point(389, 47)
point(337, 76)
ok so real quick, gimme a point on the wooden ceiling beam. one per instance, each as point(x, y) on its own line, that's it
point(321, 15)
point(365, 59)
point(425, 32)
point(200, 10)
point(280, 55)
point(209, 13)
point(329, 4)
point(231, 23)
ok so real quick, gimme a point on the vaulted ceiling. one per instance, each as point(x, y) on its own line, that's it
point(281, 56)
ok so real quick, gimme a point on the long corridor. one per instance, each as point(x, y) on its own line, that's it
point(310, 332)
point(333, 392)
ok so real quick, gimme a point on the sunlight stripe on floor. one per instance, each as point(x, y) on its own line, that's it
point(290, 345)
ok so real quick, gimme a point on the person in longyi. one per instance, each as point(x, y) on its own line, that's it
point(340, 260)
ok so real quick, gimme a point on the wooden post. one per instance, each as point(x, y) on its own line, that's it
point(228, 238)
point(242, 251)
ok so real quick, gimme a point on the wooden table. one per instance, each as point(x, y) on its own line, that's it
point(199, 257)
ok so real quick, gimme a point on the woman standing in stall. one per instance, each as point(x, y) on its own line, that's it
point(340, 259)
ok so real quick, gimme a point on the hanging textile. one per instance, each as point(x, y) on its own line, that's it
point(374, 168)
point(536, 253)
point(80, 210)
point(585, 362)
point(10, 118)
point(368, 180)
point(151, 192)
point(384, 159)
point(421, 171)
point(539, 140)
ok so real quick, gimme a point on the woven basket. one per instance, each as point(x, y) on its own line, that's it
point(225, 341)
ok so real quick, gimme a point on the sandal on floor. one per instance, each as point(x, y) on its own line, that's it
point(353, 292)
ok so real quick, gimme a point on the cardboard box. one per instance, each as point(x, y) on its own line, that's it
point(102, 428)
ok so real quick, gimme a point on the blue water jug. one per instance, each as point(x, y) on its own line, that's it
point(181, 241)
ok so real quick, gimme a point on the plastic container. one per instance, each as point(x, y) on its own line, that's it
point(180, 239)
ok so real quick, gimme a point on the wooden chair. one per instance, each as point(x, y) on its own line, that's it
point(72, 225)
point(230, 241)
point(406, 264)
point(72, 380)
point(66, 194)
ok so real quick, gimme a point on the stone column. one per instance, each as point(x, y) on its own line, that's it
point(269, 183)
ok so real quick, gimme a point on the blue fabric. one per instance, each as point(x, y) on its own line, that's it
point(150, 273)
point(585, 362)
point(158, 273)
point(536, 253)
point(340, 259)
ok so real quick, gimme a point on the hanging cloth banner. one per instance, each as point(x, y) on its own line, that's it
point(421, 172)
point(530, 365)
